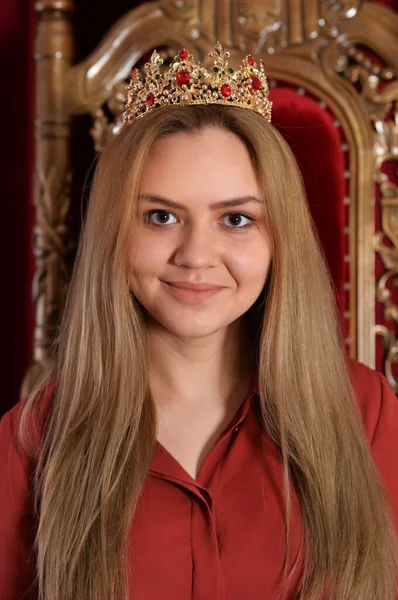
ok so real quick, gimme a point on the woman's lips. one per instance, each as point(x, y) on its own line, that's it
point(192, 292)
point(187, 285)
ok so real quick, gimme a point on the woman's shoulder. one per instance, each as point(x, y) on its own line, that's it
point(376, 399)
point(363, 376)
point(377, 403)
point(18, 518)
point(11, 420)
point(42, 405)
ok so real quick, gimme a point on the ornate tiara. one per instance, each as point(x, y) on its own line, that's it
point(187, 82)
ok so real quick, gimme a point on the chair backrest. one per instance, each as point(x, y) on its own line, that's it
point(332, 69)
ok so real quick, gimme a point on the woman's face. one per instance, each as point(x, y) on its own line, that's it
point(201, 222)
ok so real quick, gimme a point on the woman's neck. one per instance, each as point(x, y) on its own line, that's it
point(199, 373)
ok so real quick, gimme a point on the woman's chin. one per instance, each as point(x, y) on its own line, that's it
point(189, 329)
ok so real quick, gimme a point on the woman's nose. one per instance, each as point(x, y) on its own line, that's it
point(197, 247)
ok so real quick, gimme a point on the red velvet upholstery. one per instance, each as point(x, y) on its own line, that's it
point(318, 143)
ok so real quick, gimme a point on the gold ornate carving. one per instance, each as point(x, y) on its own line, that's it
point(274, 24)
point(52, 240)
point(356, 67)
point(258, 21)
point(342, 9)
point(386, 150)
point(378, 102)
point(390, 343)
point(52, 244)
point(103, 127)
point(186, 10)
point(359, 57)
point(52, 247)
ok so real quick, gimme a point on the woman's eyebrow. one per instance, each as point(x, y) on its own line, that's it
point(215, 206)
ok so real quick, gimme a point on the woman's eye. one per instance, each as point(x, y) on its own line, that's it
point(159, 217)
point(238, 220)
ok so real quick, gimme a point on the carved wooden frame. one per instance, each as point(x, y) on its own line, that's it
point(310, 45)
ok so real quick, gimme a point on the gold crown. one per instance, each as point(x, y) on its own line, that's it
point(187, 82)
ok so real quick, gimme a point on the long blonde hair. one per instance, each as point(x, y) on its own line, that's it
point(98, 440)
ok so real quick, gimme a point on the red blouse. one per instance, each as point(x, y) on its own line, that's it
point(218, 538)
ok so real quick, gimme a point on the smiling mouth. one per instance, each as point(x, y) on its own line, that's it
point(198, 287)
point(191, 292)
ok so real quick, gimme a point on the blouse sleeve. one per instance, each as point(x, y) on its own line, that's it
point(17, 564)
point(384, 442)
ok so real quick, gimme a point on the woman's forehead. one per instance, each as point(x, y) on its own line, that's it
point(212, 163)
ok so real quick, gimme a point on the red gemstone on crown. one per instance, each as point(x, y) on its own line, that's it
point(226, 90)
point(183, 77)
point(183, 53)
point(256, 83)
point(250, 60)
point(150, 99)
point(133, 73)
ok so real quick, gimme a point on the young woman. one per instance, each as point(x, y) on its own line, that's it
point(200, 434)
